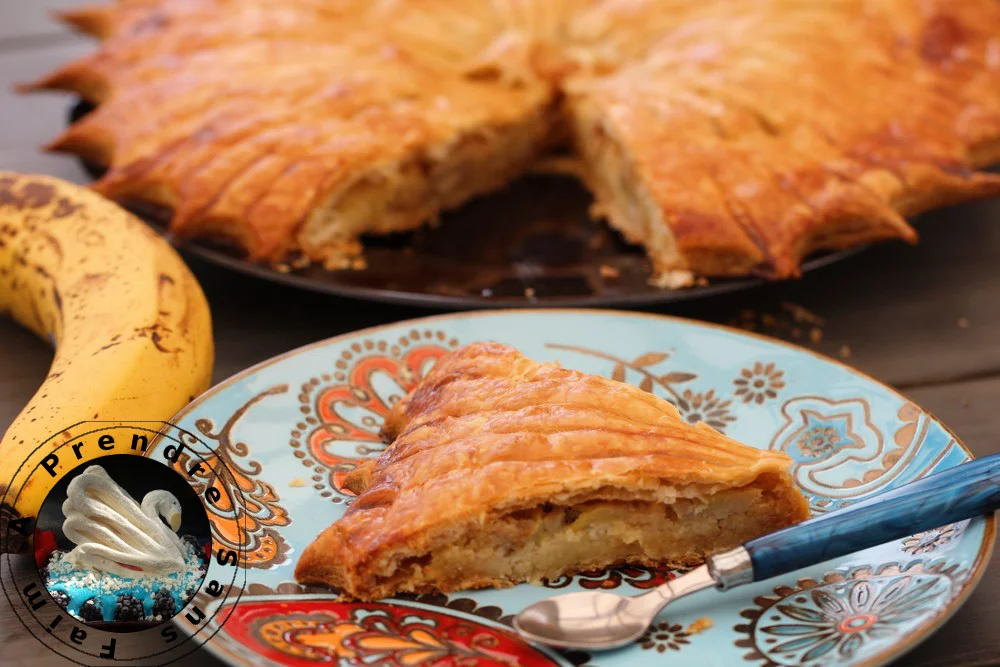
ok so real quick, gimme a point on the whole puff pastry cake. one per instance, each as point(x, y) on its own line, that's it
point(502, 470)
point(728, 137)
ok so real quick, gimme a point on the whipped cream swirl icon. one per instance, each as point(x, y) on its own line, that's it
point(115, 534)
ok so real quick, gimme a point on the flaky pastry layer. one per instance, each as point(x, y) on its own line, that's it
point(503, 470)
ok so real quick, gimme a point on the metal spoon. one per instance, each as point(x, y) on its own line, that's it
point(598, 620)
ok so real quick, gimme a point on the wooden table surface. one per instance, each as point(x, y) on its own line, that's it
point(923, 319)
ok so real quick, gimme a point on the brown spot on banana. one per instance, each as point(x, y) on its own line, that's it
point(157, 338)
point(104, 347)
point(92, 238)
point(53, 244)
point(65, 208)
point(94, 279)
point(76, 264)
point(31, 195)
point(57, 299)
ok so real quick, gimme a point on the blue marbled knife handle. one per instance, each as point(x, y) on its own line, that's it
point(965, 491)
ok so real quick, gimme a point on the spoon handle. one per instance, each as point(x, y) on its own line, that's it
point(965, 491)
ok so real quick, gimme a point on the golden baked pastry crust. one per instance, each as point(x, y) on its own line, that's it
point(760, 132)
point(727, 137)
point(504, 470)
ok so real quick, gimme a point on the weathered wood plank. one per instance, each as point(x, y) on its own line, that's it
point(29, 121)
point(25, 361)
point(904, 355)
point(60, 166)
point(968, 408)
point(22, 21)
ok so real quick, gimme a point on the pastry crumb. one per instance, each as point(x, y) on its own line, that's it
point(700, 626)
point(282, 268)
point(802, 314)
point(297, 482)
point(609, 271)
point(597, 211)
point(672, 279)
point(529, 292)
point(963, 323)
point(845, 351)
point(789, 321)
point(359, 264)
point(337, 263)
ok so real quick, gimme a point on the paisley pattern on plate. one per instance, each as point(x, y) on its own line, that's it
point(342, 411)
point(291, 428)
point(255, 521)
point(306, 631)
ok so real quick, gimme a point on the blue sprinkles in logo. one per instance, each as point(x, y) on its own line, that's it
point(91, 595)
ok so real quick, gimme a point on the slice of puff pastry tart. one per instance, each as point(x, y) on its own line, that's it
point(503, 470)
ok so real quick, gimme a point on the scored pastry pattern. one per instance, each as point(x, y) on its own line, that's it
point(709, 131)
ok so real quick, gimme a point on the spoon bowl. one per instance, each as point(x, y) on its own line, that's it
point(595, 620)
point(599, 620)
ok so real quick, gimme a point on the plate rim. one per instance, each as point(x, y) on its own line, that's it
point(443, 302)
point(883, 657)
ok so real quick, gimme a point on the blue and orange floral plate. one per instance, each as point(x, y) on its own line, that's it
point(289, 429)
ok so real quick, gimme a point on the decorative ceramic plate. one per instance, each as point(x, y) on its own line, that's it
point(289, 429)
point(533, 244)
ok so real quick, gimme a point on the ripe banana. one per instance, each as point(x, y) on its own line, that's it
point(130, 324)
